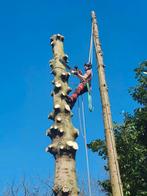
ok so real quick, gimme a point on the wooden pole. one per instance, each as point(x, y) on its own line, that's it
point(62, 132)
point(110, 141)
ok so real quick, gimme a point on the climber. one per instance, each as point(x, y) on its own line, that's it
point(85, 80)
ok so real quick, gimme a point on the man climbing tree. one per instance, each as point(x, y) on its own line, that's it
point(85, 83)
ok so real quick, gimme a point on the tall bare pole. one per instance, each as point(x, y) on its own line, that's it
point(62, 132)
point(110, 141)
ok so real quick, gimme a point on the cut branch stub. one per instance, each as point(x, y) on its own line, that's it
point(51, 116)
point(50, 148)
point(65, 76)
point(70, 146)
point(52, 93)
point(53, 131)
point(60, 37)
point(59, 119)
point(67, 108)
point(69, 90)
point(73, 145)
point(57, 107)
point(57, 85)
point(63, 94)
point(52, 43)
point(76, 133)
point(61, 130)
point(65, 58)
point(52, 62)
point(48, 132)
point(55, 148)
point(55, 127)
point(53, 72)
point(66, 190)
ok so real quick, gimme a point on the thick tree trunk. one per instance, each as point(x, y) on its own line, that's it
point(110, 141)
point(62, 132)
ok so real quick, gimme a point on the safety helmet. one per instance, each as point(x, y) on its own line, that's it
point(88, 65)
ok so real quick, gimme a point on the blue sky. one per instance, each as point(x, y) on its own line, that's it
point(26, 81)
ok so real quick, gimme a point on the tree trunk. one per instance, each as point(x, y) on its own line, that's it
point(110, 141)
point(62, 132)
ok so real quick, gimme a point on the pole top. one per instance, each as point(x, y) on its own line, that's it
point(93, 14)
point(57, 37)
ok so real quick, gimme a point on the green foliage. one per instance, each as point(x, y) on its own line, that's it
point(106, 187)
point(139, 92)
point(100, 147)
point(131, 142)
point(132, 158)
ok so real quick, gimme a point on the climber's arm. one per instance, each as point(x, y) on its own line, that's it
point(85, 76)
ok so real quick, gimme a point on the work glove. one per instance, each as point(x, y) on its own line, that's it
point(74, 72)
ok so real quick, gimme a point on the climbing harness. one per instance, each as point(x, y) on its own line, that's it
point(85, 141)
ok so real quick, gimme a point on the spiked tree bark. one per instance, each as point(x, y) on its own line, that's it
point(62, 132)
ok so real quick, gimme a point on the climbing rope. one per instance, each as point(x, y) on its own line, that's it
point(85, 141)
point(80, 120)
point(90, 58)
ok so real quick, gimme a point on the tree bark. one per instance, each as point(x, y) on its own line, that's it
point(62, 132)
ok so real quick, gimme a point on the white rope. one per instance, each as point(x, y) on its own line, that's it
point(83, 117)
point(90, 59)
point(80, 121)
point(86, 151)
point(83, 132)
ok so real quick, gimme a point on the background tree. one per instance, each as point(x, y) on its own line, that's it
point(37, 186)
point(131, 142)
point(27, 187)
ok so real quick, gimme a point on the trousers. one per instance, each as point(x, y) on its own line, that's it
point(81, 89)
